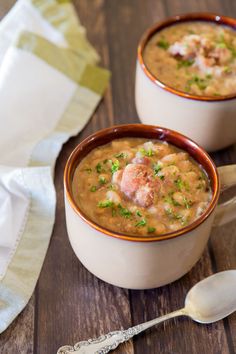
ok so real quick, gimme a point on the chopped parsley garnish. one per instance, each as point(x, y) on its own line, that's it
point(93, 189)
point(222, 43)
point(157, 168)
point(162, 43)
point(151, 230)
point(169, 211)
point(105, 161)
point(187, 203)
point(138, 213)
point(105, 204)
point(102, 180)
point(141, 223)
point(88, 170)
point(184, 221)
point(179, 183)
point(227, 70)
point(233, 51)
point(169, 199)
point(111, 187)
point(201, 83)
point(186, 186)
point(162, 177)
point(203, 176)
point(99, 168)
point(173, 215)
point(126, 213)
point(121, 155)
point(184, 63)
point(148, 152)
point(115, 166)
point(177, 216)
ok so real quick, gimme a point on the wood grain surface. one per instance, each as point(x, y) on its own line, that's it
point(70, 304)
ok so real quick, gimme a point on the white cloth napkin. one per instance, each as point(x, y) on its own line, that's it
point(31, 111)
point(47, 94)
point(14, 205)
point(29, 204)
point(24, 16)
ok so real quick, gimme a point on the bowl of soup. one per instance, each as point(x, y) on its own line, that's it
point(140, 203)
point(186, 77)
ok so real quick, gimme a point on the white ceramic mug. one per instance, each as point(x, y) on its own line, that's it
point(151, 261)
point(210, 121)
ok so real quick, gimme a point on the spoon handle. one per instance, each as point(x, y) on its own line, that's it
point(110, 341)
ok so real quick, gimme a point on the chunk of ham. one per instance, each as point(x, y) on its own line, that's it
point(209, 58)
point(190, 46)
point(138, 184)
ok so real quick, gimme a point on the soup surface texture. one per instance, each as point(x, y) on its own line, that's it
point(140, 187)
point(194, 57)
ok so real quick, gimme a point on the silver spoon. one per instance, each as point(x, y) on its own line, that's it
point(208, 301)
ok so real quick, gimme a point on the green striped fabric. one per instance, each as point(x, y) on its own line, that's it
point(65, 60)
point(62, 15)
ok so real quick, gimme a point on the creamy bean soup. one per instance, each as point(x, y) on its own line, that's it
point(141, 187)
point(194, 57)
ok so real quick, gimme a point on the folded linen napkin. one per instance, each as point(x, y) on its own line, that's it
point(28, 207)
point(24, 16)
point(64, 19)
point(56, 22)
point(67, 90)
point(47, 94)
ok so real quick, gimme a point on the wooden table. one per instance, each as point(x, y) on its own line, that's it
point(70, 304)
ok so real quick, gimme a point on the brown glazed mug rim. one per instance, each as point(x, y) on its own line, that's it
point(142, 131)
point(198, 16)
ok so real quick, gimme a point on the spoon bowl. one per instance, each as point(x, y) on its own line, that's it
point(213, 298)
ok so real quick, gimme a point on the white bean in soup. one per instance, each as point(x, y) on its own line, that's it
point(194, 57)
point(139, 187)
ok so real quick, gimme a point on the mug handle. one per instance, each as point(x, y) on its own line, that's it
point(226, 212)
